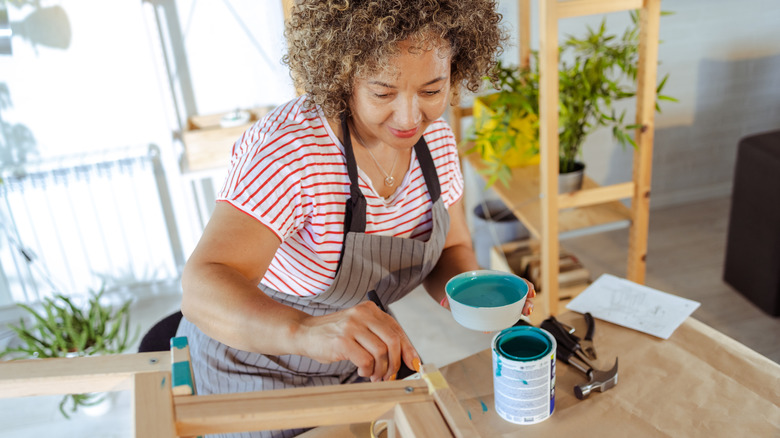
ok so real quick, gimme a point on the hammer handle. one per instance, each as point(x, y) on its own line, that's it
point(591, 325)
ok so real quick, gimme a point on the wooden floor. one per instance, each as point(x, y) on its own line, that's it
point(686, 250)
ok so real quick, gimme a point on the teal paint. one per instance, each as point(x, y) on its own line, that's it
point(484, 406)
point(179, 342)
point(180, 374)
point(524, 345)
point(498, 367)
point(469, 412)
point(487, 289)
point(162, 385)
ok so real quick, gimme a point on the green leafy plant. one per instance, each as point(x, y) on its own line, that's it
point(63, 329)
point(595, 72)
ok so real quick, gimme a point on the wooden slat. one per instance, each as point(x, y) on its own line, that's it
point(420, 420)
point(287, 9)
point(451, 410)
point(649, 22)
point(524, 32)
point(598, 195)
point(548, 145)
point(182, 377)
point(153, 405)
point(77, 375)
point(578, 8)
point(290, 408)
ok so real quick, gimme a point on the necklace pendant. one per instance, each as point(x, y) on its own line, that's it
point(389, 181)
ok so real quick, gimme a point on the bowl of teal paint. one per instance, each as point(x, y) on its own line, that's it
point(486, 300)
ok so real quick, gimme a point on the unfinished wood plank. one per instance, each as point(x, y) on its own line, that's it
point(524, 32)
point(596, 195)
point(548, 146)
point(649, 22)
point(450, 409)
point(210, 148)
point(153, 405)
point(420, 420)
point(183, 380)
point(291, 408)
point(579, 8)
point(76, 375)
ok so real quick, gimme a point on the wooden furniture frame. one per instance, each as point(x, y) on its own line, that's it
point(533, 192)
point(425, 407)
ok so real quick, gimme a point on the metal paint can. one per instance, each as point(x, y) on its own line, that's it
point(524, 374)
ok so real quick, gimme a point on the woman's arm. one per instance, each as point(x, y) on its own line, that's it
point(221, 298)
point(458, 257)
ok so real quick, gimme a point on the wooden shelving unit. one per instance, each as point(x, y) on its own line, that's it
point(533, 191)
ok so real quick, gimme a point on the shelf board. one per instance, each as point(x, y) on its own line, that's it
point(522, 197)
point(207, 145)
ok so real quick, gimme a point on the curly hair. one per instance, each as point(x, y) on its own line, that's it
point(332, 42)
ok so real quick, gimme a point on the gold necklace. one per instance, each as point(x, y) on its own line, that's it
point(389, 179)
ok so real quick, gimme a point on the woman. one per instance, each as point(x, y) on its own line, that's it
point(354, 186)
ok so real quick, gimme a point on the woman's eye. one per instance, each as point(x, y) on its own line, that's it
point(431, 93)
point(381, 96)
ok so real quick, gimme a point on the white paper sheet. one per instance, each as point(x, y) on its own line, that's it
point(633, 305)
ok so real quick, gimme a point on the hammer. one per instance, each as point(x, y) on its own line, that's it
point(570, 352)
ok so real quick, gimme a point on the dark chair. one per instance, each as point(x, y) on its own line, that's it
point(158, 338)
point(752, 264)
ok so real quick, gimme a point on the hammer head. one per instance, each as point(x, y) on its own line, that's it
point(599, 380)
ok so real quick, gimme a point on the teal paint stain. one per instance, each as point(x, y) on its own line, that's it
point(469, 412)
point(484, 406)
point(525, 382)
point(181, 374)
point(498, 367)
point(163, 382)
point(179, 342)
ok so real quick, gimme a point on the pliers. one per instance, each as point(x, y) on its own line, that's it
point(587, 342)
point(585, 345)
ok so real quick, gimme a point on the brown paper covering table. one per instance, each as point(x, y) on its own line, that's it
point(699, 382)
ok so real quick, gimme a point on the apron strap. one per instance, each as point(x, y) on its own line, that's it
point(355, 214)
point(428, 169)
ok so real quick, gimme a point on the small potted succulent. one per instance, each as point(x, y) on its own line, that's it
point(60, 328)
point(595, 72)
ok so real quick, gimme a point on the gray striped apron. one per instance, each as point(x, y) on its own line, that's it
point(392, 266)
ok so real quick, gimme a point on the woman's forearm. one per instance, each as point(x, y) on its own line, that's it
point(231, 309)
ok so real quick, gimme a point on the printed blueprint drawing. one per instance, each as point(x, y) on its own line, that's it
point(633, 305)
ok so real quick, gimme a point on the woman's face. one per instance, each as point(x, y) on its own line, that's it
point(395, 107)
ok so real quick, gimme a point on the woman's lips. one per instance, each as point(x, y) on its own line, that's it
point(404, 134)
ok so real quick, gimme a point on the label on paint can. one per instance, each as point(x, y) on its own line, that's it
point(524, 374)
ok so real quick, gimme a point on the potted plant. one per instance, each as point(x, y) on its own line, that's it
point(63, 329)
point(595, 72)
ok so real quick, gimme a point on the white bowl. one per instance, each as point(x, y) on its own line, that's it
point(486, 300)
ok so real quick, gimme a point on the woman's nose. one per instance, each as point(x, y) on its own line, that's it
point(408, 113)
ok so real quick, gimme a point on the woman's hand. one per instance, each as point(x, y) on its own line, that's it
point(528, 307)
point(366, 336)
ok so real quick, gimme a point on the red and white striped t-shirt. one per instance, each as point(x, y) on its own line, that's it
point(289, 172)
